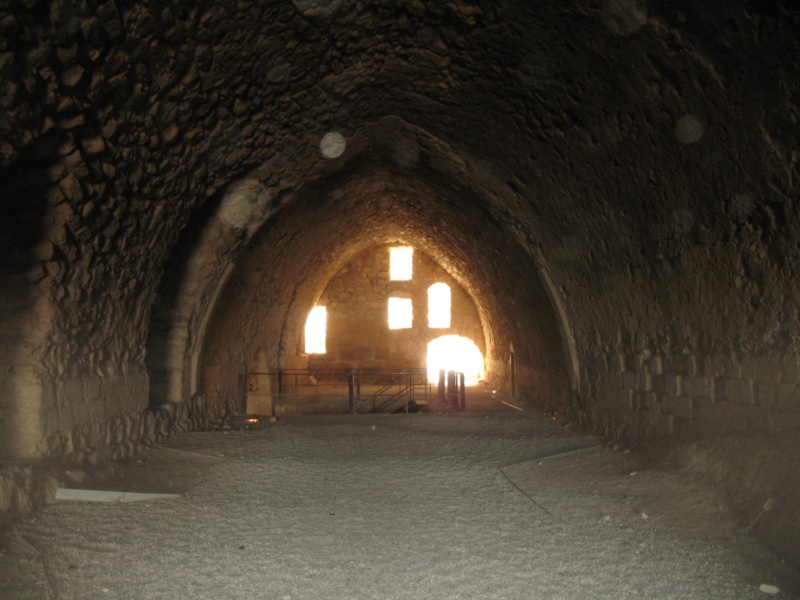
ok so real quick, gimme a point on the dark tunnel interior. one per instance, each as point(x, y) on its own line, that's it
point(614, 186)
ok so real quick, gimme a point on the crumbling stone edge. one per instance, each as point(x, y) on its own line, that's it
point(28, 484)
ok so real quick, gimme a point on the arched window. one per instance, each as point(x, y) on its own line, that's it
point(401, 313)
point(400, 263)
point(439, 306)
point(316, 326)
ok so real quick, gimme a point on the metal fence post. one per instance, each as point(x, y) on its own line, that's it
point(452, 390)
point(351, 397)
point(462, 399)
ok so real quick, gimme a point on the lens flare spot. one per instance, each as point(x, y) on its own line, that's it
point(689, 129)
point(624, 17)
point(246, 203)
point(332, 144)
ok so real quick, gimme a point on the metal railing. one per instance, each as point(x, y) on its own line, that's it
point(295, 391)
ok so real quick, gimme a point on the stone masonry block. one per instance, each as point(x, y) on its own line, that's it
point(644, 380)
point(735, 416)
point(657, 364)
point(791, 370)
point(782, 420)
point(630, 380)
point(73, 392)
point(66, 418)
point(786, 397)
point(672, 425)
point(770, 394)
point(52, 420)
point(695, 385)
point(652, 402)
point(724, 366)
point(674, 385)
point(677, 363)
point(718, 389)
point(738, 391)
point(681, 407)
point(763, 368)
point(81, 414)
point(758, 420)
point(696, 365)
point(93, 388)
point(614, 388)
point(658, 383)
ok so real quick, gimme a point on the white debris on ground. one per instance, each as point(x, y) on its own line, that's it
point(502, 506)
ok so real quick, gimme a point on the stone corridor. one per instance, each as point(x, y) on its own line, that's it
point(609, 188)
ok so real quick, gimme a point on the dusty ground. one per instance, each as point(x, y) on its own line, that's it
point(502, 505)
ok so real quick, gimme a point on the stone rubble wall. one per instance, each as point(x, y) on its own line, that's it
point(25, 485)
point(119, 437)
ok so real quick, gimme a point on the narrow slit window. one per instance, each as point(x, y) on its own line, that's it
point(400, 261)
point(316, 326)
point(439, 306)
point(401, 313)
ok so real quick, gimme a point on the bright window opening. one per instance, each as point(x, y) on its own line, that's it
point(400, 260)
point(401, 313)
point(455, 353)
point(316, 326)
point(439, 305)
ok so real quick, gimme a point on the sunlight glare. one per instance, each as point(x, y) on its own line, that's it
point(316, 324)
point(439, 306)
point(401, 313)
point(455, 353)
point(400, 263)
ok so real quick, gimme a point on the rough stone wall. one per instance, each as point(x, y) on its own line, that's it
point(653, 395)
point(641, 155)
point(26, 485)
point(102, 437)
point(122, 119)
point(357, 305)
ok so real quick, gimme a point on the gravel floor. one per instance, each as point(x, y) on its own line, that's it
point(403, 506)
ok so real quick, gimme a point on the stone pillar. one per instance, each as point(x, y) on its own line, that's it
point(462, 396)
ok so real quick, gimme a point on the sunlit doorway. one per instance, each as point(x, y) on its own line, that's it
point(455, 353)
